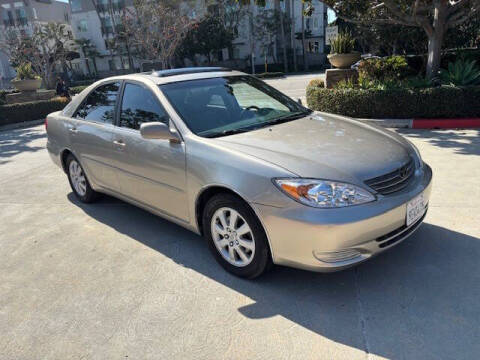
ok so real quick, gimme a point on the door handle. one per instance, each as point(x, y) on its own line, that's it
point(119, 143)
point(73, 130)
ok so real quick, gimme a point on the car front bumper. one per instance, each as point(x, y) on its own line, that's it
point(327, 240)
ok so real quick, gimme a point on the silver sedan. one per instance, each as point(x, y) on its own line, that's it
point(265, 180)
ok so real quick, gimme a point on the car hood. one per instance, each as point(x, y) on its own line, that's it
point(325, 146)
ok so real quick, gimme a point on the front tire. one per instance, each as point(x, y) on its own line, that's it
point(236, 237)
point(79, 182)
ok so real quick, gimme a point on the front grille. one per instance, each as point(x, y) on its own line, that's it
point(400, 233)
point(394, 181)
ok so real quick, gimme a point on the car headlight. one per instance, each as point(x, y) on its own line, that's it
point(323, 193)
point(417, 153)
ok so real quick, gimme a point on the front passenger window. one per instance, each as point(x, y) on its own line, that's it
point(140, 105)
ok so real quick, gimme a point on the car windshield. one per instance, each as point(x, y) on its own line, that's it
point(227, 105)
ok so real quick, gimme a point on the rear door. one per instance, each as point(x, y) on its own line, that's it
point(149, 171)
point(92, 134)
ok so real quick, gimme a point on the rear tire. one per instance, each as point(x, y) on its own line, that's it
point(236, 237)
point(79, 182)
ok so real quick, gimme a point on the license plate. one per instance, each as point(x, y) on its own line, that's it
point(415, 209)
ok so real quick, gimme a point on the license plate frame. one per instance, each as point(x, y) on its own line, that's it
point(415, 209)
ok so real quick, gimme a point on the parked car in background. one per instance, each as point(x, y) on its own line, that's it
point(225, 155)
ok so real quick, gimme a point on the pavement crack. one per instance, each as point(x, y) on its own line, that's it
point(361, 314)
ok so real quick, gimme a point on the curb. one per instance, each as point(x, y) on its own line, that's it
point(446, 123)
point(24, 124)
point(391, 123)
point(461, 123)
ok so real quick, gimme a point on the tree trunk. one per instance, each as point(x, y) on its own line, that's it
point(292, 35)
point(435, 39)
point(282, 35)
point(305, 59)
point(129, 54)
point(86, 62)
point(252, 42)
point(94, 61)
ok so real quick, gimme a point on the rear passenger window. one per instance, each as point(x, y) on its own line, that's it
point(100, 104)
point(140, 105)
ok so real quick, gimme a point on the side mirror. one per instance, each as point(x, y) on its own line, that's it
point(158, 130)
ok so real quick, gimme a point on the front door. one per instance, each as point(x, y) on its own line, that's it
point(149, 171)
point(91, 134)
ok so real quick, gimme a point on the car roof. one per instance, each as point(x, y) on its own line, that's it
point(179, 74)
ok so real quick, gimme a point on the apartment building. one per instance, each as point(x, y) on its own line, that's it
point(21, 16)
point(98, 21)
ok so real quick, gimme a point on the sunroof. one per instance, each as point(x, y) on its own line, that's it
point(189, 70)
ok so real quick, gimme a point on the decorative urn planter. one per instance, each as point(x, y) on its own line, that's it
point(344, 61)
point(27, 85)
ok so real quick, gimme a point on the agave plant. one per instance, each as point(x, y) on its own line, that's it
point(342, 44)
point(25, 72)
point(461, 73)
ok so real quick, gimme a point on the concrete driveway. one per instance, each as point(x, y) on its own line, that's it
point(111, 281)
point(294, 85)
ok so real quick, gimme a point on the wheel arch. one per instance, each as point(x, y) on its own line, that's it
point(63, 158)
point(208, 192)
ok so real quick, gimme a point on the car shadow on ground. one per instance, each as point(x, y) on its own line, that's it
point(466, 142)
point(19, 141)
point(419, 300)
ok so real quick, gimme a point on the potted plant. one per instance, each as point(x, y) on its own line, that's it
point(26, 79)
point(341, 54)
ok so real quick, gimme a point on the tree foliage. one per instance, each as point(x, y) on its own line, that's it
point(434, 17)
point(49, 46)
point(156, 28)
point(204, 37)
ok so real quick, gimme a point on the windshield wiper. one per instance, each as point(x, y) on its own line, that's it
point(284, 119)
point(228, 132)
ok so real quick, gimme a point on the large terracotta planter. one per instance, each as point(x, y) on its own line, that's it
point(344, 61)
point(27, 85)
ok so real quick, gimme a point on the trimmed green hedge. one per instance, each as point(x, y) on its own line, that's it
point(269, 75)
point(439, 102)
point(15, 113)
point(77, 89)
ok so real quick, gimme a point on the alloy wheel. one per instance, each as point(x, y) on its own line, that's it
point(233, 237)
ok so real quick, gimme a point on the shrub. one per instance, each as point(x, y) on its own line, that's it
point(77, 89)
point(342, 44)
point(461, 73)
point(317, 83)
point(384, 69)
point(439, 102)
point(25, 72)
point(14, 113)
point(268, 75)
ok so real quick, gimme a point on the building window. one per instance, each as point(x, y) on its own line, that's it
point(76, 5)
point(82, 26)
point(316, 23)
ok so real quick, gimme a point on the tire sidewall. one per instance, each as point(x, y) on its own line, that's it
point(90, 194)
point(261, 258)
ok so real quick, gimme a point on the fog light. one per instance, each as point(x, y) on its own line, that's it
point(336, 256)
